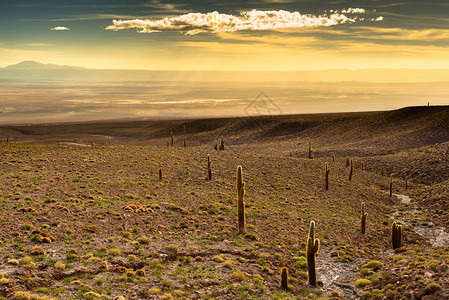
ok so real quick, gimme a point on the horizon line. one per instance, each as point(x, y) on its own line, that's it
point(211, 70)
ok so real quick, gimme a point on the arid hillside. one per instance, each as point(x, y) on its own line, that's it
point(86, 215)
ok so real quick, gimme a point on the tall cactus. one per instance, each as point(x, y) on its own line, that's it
point(391, 186)
point(310, 150)
point(351, 170)
point(326, 176)
point(406, 183)
point(160, 174)
point(284, 278)
point(363, 218)
point(209, 168)
point(333, 157)
point(222, 144)
point(362, 166)
point(185, 141)
point(348, 161)
point(240, 202)
point(313, 245)
point(172, 139)
point(396, 235)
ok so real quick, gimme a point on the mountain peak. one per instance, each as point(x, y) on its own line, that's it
point(34, 65)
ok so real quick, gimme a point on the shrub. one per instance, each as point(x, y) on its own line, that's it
point(433, 264)
point(374, 264)
point(20, 295)
point(432, 288)
point(37, 251)
point(300, 263)
point(114, 252)
point(144, 240)
point(127, 235)
point(365, 271)
point(166, 296)
point(154, 291)
point(59, 265)
point(238, 274)
point(362, 282)
point(27, 225)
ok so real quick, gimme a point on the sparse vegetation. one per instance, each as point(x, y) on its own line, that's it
point(95, 222)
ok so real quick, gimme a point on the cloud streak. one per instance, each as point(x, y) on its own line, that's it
point(60, 28)
point(195, 23)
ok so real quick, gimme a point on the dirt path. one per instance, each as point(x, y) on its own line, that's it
point(340, 276)
point(436, 236)
point(337, 275)
point(73, 144)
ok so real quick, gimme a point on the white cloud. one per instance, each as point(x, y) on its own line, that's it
point(353, 11)
point(60, 28)
point(194, 23)
point(378, 19)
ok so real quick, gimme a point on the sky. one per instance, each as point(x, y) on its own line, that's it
point(226, 35)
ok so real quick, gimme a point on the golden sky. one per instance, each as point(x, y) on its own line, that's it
point(231, 35)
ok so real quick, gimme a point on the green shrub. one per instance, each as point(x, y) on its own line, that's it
point(362, 282)
point(432, 288)
point(374, 264)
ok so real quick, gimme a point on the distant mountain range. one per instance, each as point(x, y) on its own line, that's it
point(31, 70)
point(33, 65)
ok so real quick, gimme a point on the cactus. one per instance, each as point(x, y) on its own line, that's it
point(348, 161)
point(382, 172)
point(216, 146)
point(333, 157)
point(284, 278)
point(209, 168)
point(185, 142)
point(313, 245)
point(310, 151)
point(396, 235)
point(220, 144)
point(160, 174)
point(391, 186)
point(326, 176)
point(363, 218)
point(406, 183)
point(171, 138)
point(291, 154)
point(240, 202)
point(351, 170)
point(363, 166)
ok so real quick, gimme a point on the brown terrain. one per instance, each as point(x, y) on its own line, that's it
point(84, 214)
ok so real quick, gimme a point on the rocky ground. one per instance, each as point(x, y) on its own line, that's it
point(96, 222)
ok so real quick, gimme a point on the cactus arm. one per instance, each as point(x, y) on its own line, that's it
point(316, 247)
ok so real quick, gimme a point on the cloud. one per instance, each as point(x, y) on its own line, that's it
point(194, 23)
point(353, 11)
point(60, 28)
point(37, 44)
